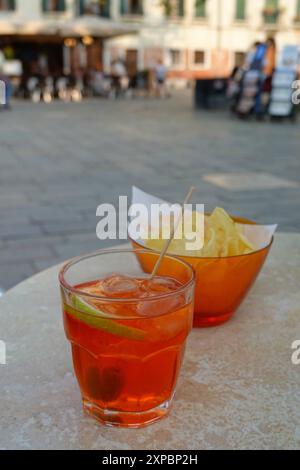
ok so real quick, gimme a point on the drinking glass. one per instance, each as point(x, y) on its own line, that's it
point(127, 356)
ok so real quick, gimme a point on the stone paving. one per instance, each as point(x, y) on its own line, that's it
point(58, 162)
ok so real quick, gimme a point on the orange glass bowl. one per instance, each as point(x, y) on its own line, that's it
point(221, 283)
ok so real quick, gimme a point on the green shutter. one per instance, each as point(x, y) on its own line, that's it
point(61, 6)
point(272, 4)
point(240, 9)
point(11, 5)
point(180, 7)
point(126, 8)
point(200, 8)
point(81, 7)
point(106, 9)
point(123, 7)
point(141, 7)
point(298, 8)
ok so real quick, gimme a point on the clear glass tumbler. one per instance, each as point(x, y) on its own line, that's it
point(127, 346)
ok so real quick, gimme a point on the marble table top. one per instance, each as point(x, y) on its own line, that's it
point(238, 387)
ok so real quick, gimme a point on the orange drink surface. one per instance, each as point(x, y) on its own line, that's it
point(128, 352)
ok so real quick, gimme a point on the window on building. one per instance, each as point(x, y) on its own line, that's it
point(298, 10)
point(175, 57)
point(173, 8)
point(179, 10)
point(95, 7)
point(131, 7)
point(239, 59)
point(7, 5)
point(199, 57)
point(240, 10)
point(200, 8)
point(53, 5)
point(271, 11)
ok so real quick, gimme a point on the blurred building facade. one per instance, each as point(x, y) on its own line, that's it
point(195, 38)
point(55, 36)
point(202, 38)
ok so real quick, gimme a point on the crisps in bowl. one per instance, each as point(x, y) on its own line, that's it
point(226, 266)
point(223, 237)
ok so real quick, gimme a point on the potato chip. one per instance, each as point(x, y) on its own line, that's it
point(223, 237)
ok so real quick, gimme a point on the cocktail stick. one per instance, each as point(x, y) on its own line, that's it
point(173, 231)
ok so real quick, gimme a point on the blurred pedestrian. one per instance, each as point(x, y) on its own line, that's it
point(2, 59)
point(251, 55)
point(234, 87)
point(118, 74)
point(161, 73)
point(258, 58)
point(268, 67)
point(8, 87)
point(270, 58)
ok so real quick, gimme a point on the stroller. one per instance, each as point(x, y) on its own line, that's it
point(281, 105)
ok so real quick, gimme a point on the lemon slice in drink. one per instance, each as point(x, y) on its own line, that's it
point(93, 317)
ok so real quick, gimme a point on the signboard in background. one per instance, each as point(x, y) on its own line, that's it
point(284, 82)
point(290, 57)
point(12, 68)
point(2, 353)
point(2, 101)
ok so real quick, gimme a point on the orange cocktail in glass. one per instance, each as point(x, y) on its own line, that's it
point(127, 333)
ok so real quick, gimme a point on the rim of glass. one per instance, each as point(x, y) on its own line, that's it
point(252, 253)
point(93, 254)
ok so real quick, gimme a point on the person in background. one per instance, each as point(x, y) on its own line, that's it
point(2, 59)
point(79, 83)
point(161, 73)
point(270, 58)
point(118, 73)
point(96, 81)
point(234, 87)
point(7, 83)
point(250, 56)
point(259, 64)
point(268, 67)
point(8, 90)
point(258, 57)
